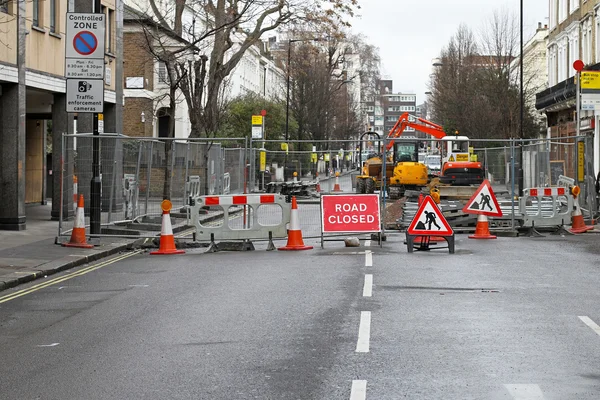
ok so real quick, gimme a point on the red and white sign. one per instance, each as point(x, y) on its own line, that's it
point(429, 220)
point(352, 213)
point(483, 202)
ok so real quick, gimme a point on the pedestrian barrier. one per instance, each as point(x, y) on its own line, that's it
point(545, 207)
point(167, 240)
point(226, 183)
point(75, 193)
point(131, 195)
point(192, 187)
point(249, 206)
point(78, 233)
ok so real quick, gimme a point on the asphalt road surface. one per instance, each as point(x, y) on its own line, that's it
point(512, 318)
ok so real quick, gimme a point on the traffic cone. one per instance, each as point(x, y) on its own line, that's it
point(78, 232)
point(295, 241)
point(482, 230)
point(318, 187)
point(336, 187)
point(167, 240)
point(577, 223)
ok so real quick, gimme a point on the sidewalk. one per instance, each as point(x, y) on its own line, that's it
point(31, 254)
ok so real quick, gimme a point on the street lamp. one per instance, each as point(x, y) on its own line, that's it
point(287, 98)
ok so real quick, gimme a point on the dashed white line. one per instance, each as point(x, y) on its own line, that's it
point(525, 392)
point(368, 258)
point(590, 323)
point(364, 332)
point(48, 345)
point(367, 243)
point(368, 288)
point(359, 390)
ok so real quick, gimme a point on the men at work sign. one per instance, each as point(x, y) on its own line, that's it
point(351, 213)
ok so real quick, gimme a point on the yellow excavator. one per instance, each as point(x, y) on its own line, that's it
point(403, 171)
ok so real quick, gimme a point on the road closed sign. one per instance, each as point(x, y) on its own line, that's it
point(351, 213)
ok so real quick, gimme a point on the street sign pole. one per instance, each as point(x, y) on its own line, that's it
point(96, 183)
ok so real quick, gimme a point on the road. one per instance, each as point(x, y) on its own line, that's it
point(511, 318)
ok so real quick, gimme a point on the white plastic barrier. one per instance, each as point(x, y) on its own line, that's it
point(226, 183)
point(130, 194)
point(192, 187)
point(548, 206)
point(231, 210)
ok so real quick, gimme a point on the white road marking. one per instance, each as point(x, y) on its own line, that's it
point(359, 390)
point(590, 323)
point(524, 392)
point(48, 345)
point(368, 258)
point(364, 332)
point(368, 288)
point(139, 285)
point(367, 243)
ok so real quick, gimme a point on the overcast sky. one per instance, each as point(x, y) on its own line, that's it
point(410, 33)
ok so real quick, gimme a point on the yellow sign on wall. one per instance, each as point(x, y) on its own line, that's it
point(580, 161)
point(257, 120)
point(590, 79)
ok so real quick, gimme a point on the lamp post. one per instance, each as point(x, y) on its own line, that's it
point(287, 97)
point(522, 107)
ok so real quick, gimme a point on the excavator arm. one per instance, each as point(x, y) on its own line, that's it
point(421, 125)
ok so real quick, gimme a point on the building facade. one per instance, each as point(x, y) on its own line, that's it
point(33, 102)
point(573, 34)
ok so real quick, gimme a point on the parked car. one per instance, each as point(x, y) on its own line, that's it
point(433, 162)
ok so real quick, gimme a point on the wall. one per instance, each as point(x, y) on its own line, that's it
point(8, 34)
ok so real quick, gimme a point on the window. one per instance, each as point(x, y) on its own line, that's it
point(162, 72)
point(36, 20)
point(53, 15)
point(552, 19)
point(562, 10)
point(4, 6)
point(574, 5)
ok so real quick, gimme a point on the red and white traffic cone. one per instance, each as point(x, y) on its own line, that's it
point(167, 240)
point(78, 233)
point(482, 230)
point(336, 187)
point(318, 187)
point(295, 241)
point(577, 223)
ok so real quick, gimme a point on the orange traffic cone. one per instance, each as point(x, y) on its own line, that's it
point(577, 223)
point(167, 240)
point(295, 241)
point(482, 230)
point(78, 232)
point(336, 187)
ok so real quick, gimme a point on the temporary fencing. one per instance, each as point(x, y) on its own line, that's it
point(138, 173)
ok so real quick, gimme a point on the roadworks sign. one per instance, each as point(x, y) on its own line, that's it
point(429, 220)
point(483, 202)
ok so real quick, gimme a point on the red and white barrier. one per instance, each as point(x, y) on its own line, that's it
point(239, 199)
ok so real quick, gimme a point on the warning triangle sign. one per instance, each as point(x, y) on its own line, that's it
point(429, 220)
point(483, 202)
point(451, 159)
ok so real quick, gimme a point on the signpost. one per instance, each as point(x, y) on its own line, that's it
point(84, 70)
point(359, 213)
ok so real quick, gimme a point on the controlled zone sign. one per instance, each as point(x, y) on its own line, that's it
point(85, 34)
point(483, 202)
point(429, 221)
point(350, 213)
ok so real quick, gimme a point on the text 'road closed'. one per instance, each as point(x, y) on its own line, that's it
point(350, 213)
